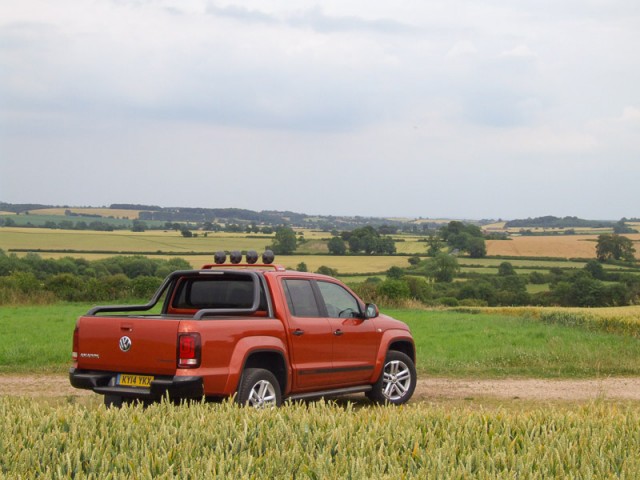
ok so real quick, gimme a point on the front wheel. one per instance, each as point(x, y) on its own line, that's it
point(397, 380)
point(259, 388)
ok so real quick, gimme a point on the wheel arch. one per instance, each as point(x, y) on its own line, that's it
point(258, 352)
point(404, 346)
point(393, 340)
point(271, 360)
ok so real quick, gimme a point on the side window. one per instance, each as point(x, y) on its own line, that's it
point(300, 298)
point(339, 302)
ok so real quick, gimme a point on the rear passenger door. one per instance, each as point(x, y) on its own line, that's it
point(310, 335)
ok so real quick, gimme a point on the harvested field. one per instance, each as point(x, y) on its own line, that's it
point(104, 212)
point(561, 246)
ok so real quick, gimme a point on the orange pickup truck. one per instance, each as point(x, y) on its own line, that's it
point(256, 331)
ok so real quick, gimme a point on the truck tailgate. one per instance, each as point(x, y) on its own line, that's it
point(127, 344)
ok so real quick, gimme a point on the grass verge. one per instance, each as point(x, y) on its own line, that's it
point(459, 344)
point(448, 343)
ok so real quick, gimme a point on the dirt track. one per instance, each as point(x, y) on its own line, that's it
point(430, 389)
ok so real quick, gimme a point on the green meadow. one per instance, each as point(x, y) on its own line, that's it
point(448, 343)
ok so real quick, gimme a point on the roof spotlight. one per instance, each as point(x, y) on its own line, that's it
point(252, 257)
point(220, 257)
point(236, 257)
point(268, 257)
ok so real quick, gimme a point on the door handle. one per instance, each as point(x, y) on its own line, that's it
point(338, 332)
point(297, 332)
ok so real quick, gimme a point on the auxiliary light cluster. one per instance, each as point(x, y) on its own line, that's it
point(235, 257)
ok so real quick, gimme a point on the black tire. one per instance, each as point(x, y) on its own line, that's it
point(259, 388)
point(397, 380)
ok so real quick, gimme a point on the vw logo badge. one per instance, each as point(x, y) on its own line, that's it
point(125, 344)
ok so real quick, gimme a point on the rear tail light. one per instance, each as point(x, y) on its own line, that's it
point(74, 351)
point(189, 350)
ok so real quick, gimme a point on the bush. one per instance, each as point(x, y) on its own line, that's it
point(66, 286)
point(324, 270)
point(145, 287)
point(419, 288)
point(448, 301)
point(394, 289)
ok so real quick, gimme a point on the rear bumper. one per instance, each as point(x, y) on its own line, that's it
point(105, 384)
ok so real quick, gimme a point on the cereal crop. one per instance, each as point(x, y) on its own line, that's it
point(318, 440)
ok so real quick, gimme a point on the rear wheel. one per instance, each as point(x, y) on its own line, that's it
point(397, 380)
point(259, 388)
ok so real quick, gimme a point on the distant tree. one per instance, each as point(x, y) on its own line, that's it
point(302, 267)
point(138, 226)
point(386, 246)
point(337, 246)
point(476, 247)
point(537, 278)
point(368, 240)
point(414, 260)
point(324, 270)
point(622, 227)
point(395, 273)
point(442, 267)
point(464, 236)
point(387, 230)
point(595, 269)
point(614, 247)
point(435, 245)
point(185, 232)
point(285, 242)
point(505, 269)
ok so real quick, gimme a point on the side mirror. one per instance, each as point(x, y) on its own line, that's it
point(371, 310)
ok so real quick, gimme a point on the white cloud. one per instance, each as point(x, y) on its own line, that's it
point(462, 48)
point(406, 98)
point(521, 51)
point(631, 114)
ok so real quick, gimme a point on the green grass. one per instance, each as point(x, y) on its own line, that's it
point(490, 345)
point(38, 339)
point(537, 288)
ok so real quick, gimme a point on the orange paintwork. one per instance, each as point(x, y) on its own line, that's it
point(330, 353)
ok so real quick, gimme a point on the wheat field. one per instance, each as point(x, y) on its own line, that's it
point(318, 441)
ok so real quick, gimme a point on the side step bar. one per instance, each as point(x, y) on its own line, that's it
point(331, 393)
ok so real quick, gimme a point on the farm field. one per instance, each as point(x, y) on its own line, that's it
point(104, 212)
point(125, 241)
point(319, 440)
point(561, 246)
point(490, 423)
point(625, 320)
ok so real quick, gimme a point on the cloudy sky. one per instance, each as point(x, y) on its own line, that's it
point(463, 109)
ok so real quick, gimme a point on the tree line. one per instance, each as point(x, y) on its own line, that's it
point(32, 279)
point(430, 282)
